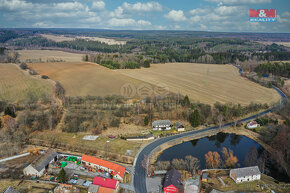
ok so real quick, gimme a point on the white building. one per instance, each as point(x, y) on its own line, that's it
point(161, 125)
point(252, 125)
point(40, 164)
point(247, 174)
point(179, 127)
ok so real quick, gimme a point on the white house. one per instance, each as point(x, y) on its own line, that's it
point(246, 174)
point(179, 126)
point(40, 164)
point(252, 125)
point(161, 125)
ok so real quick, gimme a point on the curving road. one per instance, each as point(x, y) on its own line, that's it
point(139, 179)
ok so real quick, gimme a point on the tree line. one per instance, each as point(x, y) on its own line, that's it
point(278, 69)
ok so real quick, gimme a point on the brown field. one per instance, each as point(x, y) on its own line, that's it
point(287, 44)
point(206, 83)
point(15, 84)
point(82, 79)
point(45, 55)
point(61, 38)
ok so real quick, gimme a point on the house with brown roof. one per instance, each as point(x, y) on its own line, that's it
point(116, 170)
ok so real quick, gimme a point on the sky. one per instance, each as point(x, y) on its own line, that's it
point(194, 15)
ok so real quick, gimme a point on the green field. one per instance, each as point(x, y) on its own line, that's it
point(16, 85)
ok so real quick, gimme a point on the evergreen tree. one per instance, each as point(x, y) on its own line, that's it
point(9, 111)
point(146, 120)
point(62, 176)
point(186, 101)
point(194, 118)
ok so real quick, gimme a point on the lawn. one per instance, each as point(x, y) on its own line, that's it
point(102, 143)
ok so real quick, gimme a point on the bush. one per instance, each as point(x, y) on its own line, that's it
point(115, 122)
point(44, 77)
point(23, 66)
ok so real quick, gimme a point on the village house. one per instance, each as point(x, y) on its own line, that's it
point(115, 170)
point(246, 174)
point(252, 125)
point(179, 126)
point(204, 177)
point(172, 182)
point(40, 164)
point(161, 125)
point(106, 184)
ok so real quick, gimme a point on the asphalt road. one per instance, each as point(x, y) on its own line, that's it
point(139, 179)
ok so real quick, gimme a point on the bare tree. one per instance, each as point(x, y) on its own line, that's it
point(192, 163)
point(220, 120)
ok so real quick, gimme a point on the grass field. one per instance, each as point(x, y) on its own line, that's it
point(45, 55)
point(206, 83)
point(82, 79)
point(15, 84)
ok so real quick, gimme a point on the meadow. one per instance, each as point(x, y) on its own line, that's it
point(16, 85)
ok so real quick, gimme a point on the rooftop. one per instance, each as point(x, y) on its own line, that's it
point(247, 171)
point(93, 188)
point(117, 168)
point(44, 159)
point(10, 190)
point(105, 182)
point(173, 177)
point(105, 190)
point(161, 122)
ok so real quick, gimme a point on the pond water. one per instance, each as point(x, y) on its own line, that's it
point(240, 145)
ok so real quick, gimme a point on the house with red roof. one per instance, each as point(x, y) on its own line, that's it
point(172, 182)
point(106, 184)
point(115, 170)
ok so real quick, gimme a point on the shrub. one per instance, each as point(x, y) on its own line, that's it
point(23, 66)
point(44, 77)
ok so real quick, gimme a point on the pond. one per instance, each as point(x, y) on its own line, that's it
point(240, 145)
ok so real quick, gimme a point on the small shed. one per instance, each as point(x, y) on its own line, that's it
point(93, 188)
point(179, 126)
point(204, 177)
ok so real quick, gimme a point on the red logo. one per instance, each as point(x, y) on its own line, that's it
point(261, 13)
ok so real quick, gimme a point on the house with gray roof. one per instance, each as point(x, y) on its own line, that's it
point(10, 190)
point(179, 126)
point(246, 174)
point(40, 164)
point(93, 188)
point(161, 125)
